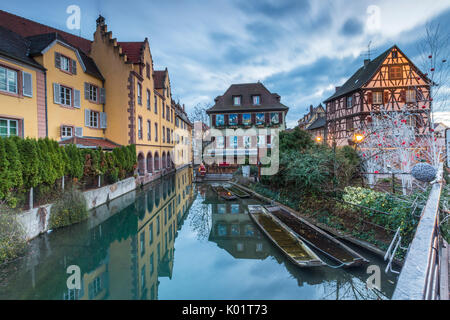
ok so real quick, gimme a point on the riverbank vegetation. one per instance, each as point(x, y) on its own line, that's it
point(12, 236)
point(325, 184)
point(69, 209)
point(41, 164)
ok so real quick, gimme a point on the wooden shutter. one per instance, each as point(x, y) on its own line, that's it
point(76, 98)
point(27, 89)
point(213, 120)
point(58, 60)
point(267, 115)
point(280, 117)
point(103, 121)
point(86, 91)
point(56, 93)
point(74, 67)
point(386, 97)
point(403, 96)
point(78, 131)
point(240, 118)
point(87, 114)
point(253, 118)
point(226, 119)
point(370, 97)
point(102, 95)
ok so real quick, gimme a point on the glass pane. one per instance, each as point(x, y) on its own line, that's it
point(2, 78)
point(12, 81)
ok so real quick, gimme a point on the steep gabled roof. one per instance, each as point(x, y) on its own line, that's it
point(14, 46)
point(362, 76)
point(26, 28)
point(39, 42)
point(269, 101)
point(318, 123)
point(133, 50)
point(159, 76)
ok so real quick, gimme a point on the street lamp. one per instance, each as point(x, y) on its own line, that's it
point(318, 139)
point(358, 138)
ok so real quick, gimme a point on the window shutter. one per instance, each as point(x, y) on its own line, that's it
point(386, 97)
point(56, 93)
point(103, 120)
point(402, 96)
point(370, 97)
point(86, 91)
point(240, 118)
point(253, 118)
point(76, 98)
point(61, 131)
point(280, 117)
point(213, 120)
point(267, 118)
point(102, 95)
point(226, 119)
point(87, 113)
point(27, 89)
point(74, 67)
point(78, 131)
point(58, 60)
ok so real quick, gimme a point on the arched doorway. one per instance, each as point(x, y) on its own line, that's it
point(141, 164)
point(149, 162)
point(156, 162)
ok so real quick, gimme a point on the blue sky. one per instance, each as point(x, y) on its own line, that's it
point(298, 48)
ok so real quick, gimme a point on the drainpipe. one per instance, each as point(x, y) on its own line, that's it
point(46, 116)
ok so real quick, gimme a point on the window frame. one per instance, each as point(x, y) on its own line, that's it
point(8, 127)
point(63, 100)
point(234, 100)
point(96, 118)
point(92, 86)
point(63, 128)
point(259, 99)
point(377, 93)
point(7, 71)
point(391, 73)
point(69, 62)
point(408, 96)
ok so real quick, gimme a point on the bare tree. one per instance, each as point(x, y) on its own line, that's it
point(198, 113)
point(433, 58)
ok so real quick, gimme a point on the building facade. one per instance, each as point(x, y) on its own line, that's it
point(390, 82)
point(99, 93)
point(245, 119)
point(314, 122)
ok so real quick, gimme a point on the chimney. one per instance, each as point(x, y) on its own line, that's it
point(183, 107)
point(366, 62)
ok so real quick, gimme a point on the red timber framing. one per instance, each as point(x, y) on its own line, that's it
point(395, 83)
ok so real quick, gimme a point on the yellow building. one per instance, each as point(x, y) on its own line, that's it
point(183, 151)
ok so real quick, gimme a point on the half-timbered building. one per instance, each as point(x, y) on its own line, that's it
point(389, 82)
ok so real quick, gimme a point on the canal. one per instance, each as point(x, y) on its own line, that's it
point(175, 240)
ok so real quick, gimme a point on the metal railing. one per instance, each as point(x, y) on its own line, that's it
point(420, 276)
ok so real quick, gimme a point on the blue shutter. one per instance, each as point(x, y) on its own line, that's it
point(56, 93)
point(76, 99)
point(27, 89)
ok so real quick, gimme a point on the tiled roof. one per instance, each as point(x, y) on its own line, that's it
point(269, 101)
point(362, 76)
point(132, 50)
point(41, 41)
point(15, 46)
point(318, 123)
point(27, 28)
point(158, 77)
point(90, 143)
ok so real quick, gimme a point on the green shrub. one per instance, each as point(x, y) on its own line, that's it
point(69, 209)
point(28, 152)
point(12, 236)
point(75, 162)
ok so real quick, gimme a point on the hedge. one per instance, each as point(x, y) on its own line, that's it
point(30, 163)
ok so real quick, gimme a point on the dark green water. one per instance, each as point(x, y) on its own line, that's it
point(174, 240)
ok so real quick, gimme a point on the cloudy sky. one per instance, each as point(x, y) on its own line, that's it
point(298, 48)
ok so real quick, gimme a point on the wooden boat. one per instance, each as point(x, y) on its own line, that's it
point(284, 239)
point(224, 193)
point(318, 239)
point(237, 191)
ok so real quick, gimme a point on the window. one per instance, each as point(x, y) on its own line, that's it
point(274, 118)
point(256, 100)
point(65, 63)
point(220, 120)
point(247, 119)
point(234, 142)
point(349, 101)
point(395, 72)
point(149, 130)
point(95, 287)
point(377, 97)
point(349, 124)
point(247, 142)
point(167, 113)
point(220, 142)
point(237, 100)
point(158, 222)
point(142, 242)
point(140, 128)
point(410, 96)
point(163, 110)
point(260, 118)
point(156, 104)
point(8, 80)
point(394, 54)
point(93, 119)
point(147, 67)
point(93, 93)
point(163, 134)
point(66, 96)
point(233, 119)
point(156, 132)
point(139, 93)
point(66, 132)
point(9, 127)
point(261, 140)
point(150, 233)
point(148, 99)
point(168, 135)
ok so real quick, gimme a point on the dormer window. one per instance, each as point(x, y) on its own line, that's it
point(256, 100)
point(237, 100)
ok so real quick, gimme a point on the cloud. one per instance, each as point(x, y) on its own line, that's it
point(352, 27)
